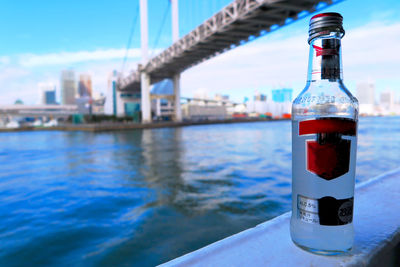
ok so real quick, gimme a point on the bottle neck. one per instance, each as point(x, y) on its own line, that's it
point(325, 59)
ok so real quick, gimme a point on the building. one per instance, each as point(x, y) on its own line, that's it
point(85, 85)
point(258, 105)
point(202, 107)
point(282, 95)
point(387, 100)
point(98, 100)
point(68, 87)
point(366, 97)
point(281, 102)
point(110, 105)
point(121, 103)
point(260, 97)
point(47, 93)
point(84, 98)
point(222, 98)
point(84, 104)
point(208, 111)
point(162, 100)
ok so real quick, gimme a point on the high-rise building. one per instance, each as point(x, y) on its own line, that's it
point(260, 97)
point(387, 100)
point(366, 93)
point(258, 104)
point(85, 85)
point(366, 97)
point(68, 87)
point(283, 95)
point(281, 102)
point(47, 93)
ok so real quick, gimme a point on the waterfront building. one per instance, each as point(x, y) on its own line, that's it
point(84, 104)
point(283, 95)
point(84, 99)
point(207, 111)
point(387, 100)
point(230, 107)
point(258, 105)
point(98, 101)
point(110, 105)
point(68, 87)
point(85, 85)
point(202, 107)
point(120, 103)
point(281, 102)
point(222, 98)
point(47, 93)
point(260, 97)
point(366, 97)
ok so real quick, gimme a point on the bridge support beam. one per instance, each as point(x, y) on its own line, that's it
point(177, 97)
point(145, 97)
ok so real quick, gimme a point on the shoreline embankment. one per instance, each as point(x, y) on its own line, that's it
point(120, 126)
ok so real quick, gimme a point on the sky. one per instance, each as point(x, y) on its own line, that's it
point(41, 38)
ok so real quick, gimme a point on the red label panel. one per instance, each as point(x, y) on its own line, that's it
point(341, 126)
point(330, 160)
point(329, 155)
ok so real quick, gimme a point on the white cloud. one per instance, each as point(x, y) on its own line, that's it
point(4, 60)
point(9, 74)
point(17, 83)
point(372, 51)
point(368, 52)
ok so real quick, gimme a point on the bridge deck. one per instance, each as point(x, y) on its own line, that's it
point(234, 25)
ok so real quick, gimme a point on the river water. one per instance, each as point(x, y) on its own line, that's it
point(143, 197)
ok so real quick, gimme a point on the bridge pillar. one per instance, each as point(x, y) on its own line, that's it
point(177, 95)
point(145, 97)
point(175, 20)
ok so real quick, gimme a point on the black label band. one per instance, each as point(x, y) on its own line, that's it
point(334, 211)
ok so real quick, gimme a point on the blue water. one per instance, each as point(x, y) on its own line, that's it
point(143, 197)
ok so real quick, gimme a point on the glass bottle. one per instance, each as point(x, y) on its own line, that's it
point(324, 143)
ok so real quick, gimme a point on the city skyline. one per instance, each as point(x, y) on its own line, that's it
point(237, 73)
point(263, 101)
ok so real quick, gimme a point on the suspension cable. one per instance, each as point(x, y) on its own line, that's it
point(160, 29)
point(132, 31)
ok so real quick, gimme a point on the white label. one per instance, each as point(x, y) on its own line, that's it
point(307, 209)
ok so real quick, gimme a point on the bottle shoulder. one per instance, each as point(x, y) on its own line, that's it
point(324, 98)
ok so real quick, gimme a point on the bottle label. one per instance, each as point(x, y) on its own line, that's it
point(323, 170)
point(325, 211)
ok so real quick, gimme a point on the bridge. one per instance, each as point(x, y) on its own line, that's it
point(236, 24)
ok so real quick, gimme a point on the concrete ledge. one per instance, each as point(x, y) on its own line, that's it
point(377, 236)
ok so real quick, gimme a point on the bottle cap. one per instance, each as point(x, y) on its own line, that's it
point(325, 23)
